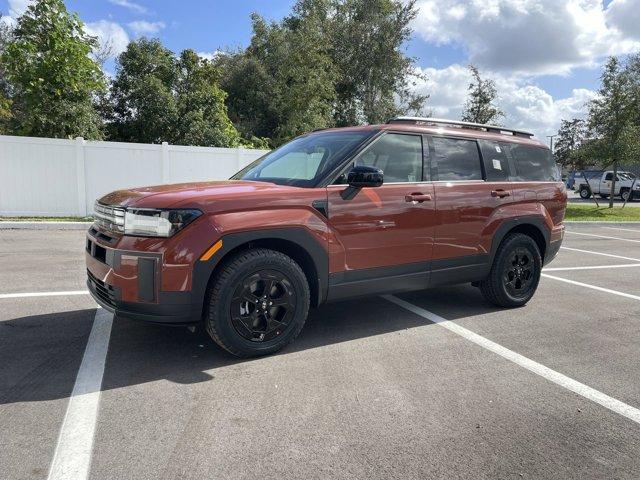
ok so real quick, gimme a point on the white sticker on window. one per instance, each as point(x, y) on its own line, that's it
point(498, 149)
point(496, 164)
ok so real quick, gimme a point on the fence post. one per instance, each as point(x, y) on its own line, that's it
point(82, 180)
point(164, 160)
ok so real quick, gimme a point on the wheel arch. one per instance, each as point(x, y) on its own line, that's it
point(296, 243)
point(534, 227)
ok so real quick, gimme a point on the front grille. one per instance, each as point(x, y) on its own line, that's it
point(103, 290)
point(109, 217)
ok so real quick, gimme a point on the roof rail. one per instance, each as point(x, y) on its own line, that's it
point(458, 123)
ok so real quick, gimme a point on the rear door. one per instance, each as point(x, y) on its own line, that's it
point(386, 232)
point(466, 203)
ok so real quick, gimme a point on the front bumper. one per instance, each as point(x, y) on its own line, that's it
point(139, 284)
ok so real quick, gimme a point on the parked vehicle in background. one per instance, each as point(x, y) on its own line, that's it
point(576, 178)
point(333, 214)
point(600, 185)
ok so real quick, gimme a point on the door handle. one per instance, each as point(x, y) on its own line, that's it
point(418, 197)
point(500, 193)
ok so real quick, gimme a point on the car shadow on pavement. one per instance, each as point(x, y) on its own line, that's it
point(40, 355)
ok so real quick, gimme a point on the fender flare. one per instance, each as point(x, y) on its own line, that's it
point(509, 224)
point(203, 270)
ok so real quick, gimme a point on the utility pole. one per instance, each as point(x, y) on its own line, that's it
point(551, 137)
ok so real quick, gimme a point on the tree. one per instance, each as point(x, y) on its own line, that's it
point(53, 80)
point(375, 76)
point(572, 135)
point(282, 84)
point(5, 102)
point(141, 107)
point(156, 97)
point(480, 106)
point(611, 117)
point(202, 115)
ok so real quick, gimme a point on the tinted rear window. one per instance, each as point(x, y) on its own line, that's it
point(456, 159)
point(496, 163)
point(532, 163)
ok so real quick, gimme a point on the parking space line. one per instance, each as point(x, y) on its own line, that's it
point(600, 253)
point(623, 229)
point(72, 458)
point(43, 294)
point(593, 287)
point(602, 236)
point(581, 389)
point(595, 267)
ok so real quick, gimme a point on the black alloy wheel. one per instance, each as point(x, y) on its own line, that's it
point(263, 306)
point(518, 272)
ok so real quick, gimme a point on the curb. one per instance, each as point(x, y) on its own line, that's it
point(45, 225)
point(600, 223)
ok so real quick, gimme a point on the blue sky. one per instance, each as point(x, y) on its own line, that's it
point(545, 55)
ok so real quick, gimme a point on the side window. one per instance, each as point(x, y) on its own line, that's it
point(496, 163)
point(456, 159)
point(532, 164)
point(398, 155)
point(608, 177)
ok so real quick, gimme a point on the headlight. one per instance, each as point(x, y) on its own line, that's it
point(149, 222)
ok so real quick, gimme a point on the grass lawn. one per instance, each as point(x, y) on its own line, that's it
point(46, 219)
point(603, 214)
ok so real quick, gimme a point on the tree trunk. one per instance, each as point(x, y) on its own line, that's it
point(613, 182)
point(630, 197)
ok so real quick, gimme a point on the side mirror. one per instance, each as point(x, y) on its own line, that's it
point(362, 176)
point(359, 177)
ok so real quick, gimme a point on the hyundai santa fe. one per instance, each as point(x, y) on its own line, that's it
point(333, 214)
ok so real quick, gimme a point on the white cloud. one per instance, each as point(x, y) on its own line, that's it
point(109, 33)
point(135, 7)
point(142, 27)
point(210, 55)
point(532, 36)
point(625, 16)
point(18, 7)
point(526, 105)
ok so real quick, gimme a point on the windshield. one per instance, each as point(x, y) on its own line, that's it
point(305, 160)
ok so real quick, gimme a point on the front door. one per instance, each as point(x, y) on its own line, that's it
point(386, 233)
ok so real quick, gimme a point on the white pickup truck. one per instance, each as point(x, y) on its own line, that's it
point(601, 186)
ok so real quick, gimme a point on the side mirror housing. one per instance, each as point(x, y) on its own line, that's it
point(359, 177)
point(362, 176)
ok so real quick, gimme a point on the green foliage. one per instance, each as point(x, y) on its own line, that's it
point(331, 62)
point(53, 81)
point(569, 147)
point(156, 97)
point(480, 107)
point(5, 102)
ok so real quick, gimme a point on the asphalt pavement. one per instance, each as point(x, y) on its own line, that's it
point(431, 384)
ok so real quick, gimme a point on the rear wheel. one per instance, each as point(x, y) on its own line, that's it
point(585, 192)
point(258, 303)
point(515, 272)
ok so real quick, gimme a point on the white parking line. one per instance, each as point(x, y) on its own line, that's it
point(623, 229)
point(43, 294)
point(593, 287)
point(603, 236)
point(600, 253)
point(595, 267)
point(581, 389)
point(72, 458)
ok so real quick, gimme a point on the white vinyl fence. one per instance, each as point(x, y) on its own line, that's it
point(53, 177)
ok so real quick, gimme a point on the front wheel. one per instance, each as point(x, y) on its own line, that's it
point(624, 194)
point(585, 192)
point(258, 303)
point(515, 272)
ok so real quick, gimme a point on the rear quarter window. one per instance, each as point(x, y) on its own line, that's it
point(496, 163)
point(532, 164)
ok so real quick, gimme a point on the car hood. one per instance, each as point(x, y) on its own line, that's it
point(199, 194)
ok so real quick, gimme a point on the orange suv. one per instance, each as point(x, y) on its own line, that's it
point(333, 214)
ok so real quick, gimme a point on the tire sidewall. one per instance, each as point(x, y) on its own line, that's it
point(220, 307)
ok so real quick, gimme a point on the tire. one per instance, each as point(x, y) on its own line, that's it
point(624, 194)
point(501, 286)
point(240, 316)
point(585, 192)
